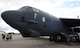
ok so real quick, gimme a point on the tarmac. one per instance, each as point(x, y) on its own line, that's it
point(19, 42)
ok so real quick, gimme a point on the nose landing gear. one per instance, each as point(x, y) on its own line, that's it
point(57, 38)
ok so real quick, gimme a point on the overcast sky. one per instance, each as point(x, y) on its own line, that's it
point(58, 8)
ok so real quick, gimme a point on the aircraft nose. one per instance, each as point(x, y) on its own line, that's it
point(8, 16)
point(11, 18)
point(5, 15)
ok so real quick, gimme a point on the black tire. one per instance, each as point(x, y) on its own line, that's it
point(59, 38)
point(51, 38)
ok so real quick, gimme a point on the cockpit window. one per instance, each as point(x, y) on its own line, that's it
point(26, 8)
point(43, 19)
point(30, 8)
point(35, 15)
point(35, 10)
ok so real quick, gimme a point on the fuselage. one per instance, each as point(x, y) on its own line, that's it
point(32, 22)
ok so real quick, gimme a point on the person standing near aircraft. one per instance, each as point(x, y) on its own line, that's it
point(10, 37)
point(3, 36)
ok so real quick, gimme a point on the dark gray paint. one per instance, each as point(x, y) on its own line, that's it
point(23, 20)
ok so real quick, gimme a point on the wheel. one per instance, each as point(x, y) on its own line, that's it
point(55, 38)
point(51, 38)
point(59, 38)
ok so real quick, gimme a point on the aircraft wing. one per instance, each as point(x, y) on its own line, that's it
point(70, 22)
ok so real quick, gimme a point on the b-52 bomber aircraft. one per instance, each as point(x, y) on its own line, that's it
point(32, 22)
